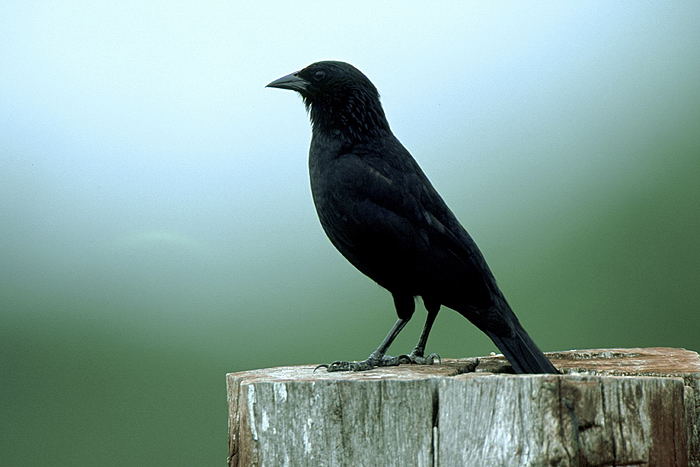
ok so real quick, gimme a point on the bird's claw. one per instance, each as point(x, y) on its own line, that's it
point(370, 363)
point(429, 360)
point(419, 359)
point(385, 360)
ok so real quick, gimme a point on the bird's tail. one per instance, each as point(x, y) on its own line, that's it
point(522, 353)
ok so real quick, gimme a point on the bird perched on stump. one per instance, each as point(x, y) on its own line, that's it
point(382, 213)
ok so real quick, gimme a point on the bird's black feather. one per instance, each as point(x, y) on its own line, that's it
point(382, 213)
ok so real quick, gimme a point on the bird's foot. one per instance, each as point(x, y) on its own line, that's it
point(417, 358)
point(374, 361)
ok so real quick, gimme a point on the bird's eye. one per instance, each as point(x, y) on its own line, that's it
point(319, 75)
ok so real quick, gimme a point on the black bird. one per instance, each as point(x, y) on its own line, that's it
point(382, 213)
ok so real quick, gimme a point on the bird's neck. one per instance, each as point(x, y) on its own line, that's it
point(352, 118)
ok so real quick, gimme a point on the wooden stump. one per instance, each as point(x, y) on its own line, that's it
point(610, 407)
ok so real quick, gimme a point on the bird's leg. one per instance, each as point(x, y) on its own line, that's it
point(405, 305)
point(417, 355)
point(376, 358)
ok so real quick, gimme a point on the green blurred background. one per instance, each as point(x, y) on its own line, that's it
point(157, 231)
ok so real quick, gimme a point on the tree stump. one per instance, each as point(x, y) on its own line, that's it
point(610, 407)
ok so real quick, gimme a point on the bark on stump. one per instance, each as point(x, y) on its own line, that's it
point(610, 407)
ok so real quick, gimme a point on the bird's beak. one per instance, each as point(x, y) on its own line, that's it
point(291, 81)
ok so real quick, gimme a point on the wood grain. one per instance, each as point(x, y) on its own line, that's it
point(610, 407)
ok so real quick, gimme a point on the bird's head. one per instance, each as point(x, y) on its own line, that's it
point(339, 97)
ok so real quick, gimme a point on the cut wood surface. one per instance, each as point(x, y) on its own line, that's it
point(610, 407)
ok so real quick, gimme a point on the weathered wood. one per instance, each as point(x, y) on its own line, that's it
point(611, 407)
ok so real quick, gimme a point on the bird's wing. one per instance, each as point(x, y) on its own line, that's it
point(401, 201)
